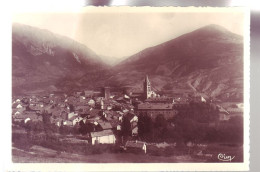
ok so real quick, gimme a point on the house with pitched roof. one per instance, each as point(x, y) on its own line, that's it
point(75, 119)
point(103, 137)
point(136, 146)
point(88, 93)
point(91, 102)
point(19, 106)
point(68, 123)
point(105, 125)
point(72, 114)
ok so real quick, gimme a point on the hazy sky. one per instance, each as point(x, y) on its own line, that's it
point(120, 33)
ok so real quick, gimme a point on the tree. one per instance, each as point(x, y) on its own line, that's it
point(75, 130)
point(85, 128)
point(29, 128)
point(64, 129)
point(185, 129)
point(145, 127)
point(148, 124)
point(90, 127)
point(72, 108)
point(126, 127)
point(46, 122)
point(39, 126)
point(140, 125)
point(82, 128)
point(160, 121)
point(160, 127)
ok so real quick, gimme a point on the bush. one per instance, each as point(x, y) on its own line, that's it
point(169, 151)
point(21, 141)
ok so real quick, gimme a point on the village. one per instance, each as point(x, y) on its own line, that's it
point(132, 121)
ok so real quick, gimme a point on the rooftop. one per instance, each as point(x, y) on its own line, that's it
point(135, 144)
point(145, 106)
point(105, 125)
point(101, 133)
point(160, 99)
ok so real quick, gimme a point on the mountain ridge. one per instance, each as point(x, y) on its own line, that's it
point(204, 61)
point(192, 60)
point(42, 61)
point(212, 27)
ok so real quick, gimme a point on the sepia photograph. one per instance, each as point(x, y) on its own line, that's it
point(130, 85)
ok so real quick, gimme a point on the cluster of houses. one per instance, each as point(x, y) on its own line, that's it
point(105, 111)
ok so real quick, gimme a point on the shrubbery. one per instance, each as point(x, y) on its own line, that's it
point(191, 124)
point(55, 142)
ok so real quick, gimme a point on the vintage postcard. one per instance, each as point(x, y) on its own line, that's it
point(130, 89)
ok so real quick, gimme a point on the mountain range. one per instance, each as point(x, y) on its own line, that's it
point(207, 61)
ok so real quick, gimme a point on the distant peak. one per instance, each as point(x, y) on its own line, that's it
point(215, 27)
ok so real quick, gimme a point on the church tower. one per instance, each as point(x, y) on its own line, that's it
point(147, 88)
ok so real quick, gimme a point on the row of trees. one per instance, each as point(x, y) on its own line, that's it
point(190, 124)
point(186, 129)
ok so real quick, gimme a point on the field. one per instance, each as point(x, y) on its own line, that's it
point(57, 149)
point(39, 154)
point(44, 155)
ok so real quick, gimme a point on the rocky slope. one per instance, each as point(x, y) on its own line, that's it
point(43, 61)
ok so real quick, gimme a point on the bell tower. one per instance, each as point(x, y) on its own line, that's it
point(147, 88)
